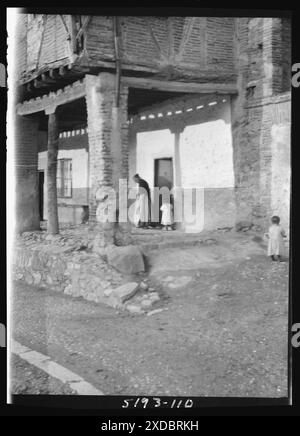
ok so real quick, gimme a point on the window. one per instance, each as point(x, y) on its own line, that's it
point(64, 178)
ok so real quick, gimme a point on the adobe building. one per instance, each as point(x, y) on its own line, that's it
point(199, 102)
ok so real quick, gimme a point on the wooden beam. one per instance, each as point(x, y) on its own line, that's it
point(83, 27)
point(172, 86)
point(38, 84)
point(47, 79)
point(171, 52)
point(53, 73)
point(54, 99)
point(52, 152)
point(63, 71)
point(155, 41)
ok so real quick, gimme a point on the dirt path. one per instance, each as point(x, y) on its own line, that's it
point(223, 333)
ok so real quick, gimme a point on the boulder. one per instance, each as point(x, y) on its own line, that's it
point(128, 260)
point(124, 292)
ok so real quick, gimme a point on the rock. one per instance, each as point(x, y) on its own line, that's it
point(243, 226)
point(154, 312)
point(68, 290)
point(210, 241)
point(154, 297)
point(37, 277)
point(128, 260)
point(179, 282)
point(146, 304)
point(225, 229)
point(107, 292)
point(113, 302)
point(144, 286)
point(144, 297)
point(133, 308)
point(124, 292)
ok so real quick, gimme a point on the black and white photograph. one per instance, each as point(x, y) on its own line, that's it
point(149, 195)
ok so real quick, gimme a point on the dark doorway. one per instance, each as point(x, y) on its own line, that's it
point(41, 194)
point(163, 173)
point(163, 177)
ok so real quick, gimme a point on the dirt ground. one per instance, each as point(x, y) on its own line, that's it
point(27, 379)
point(223, 330)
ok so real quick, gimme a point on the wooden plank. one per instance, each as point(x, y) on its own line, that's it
point(54, 99)
point(87, 64)
point(172, 86)
point(154, 39)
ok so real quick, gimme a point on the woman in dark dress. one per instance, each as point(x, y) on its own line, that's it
point(144, 198)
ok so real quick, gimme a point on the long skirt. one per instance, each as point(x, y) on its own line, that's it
point(142, 211)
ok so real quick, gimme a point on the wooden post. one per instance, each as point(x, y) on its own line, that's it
point(52, 152)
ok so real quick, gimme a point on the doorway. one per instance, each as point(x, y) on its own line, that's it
point(163, 177)
point(41, 194)
point(163, 173)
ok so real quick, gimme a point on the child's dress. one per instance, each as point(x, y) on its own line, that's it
point(276, 242)
point(166, 219)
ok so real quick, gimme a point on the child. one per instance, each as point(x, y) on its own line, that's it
point(167, 218)
point(275, 237)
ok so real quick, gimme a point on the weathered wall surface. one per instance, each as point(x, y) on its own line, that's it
point(275, 166)
point(201, 129)
point(42, 40)
point(256, 51)
point(181, 48)
point(150, 146)
point(263, 57)
point(204, 46)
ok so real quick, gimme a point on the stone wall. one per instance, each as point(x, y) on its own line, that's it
point(60, 268)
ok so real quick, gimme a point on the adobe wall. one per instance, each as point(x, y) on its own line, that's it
point(195, 132)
